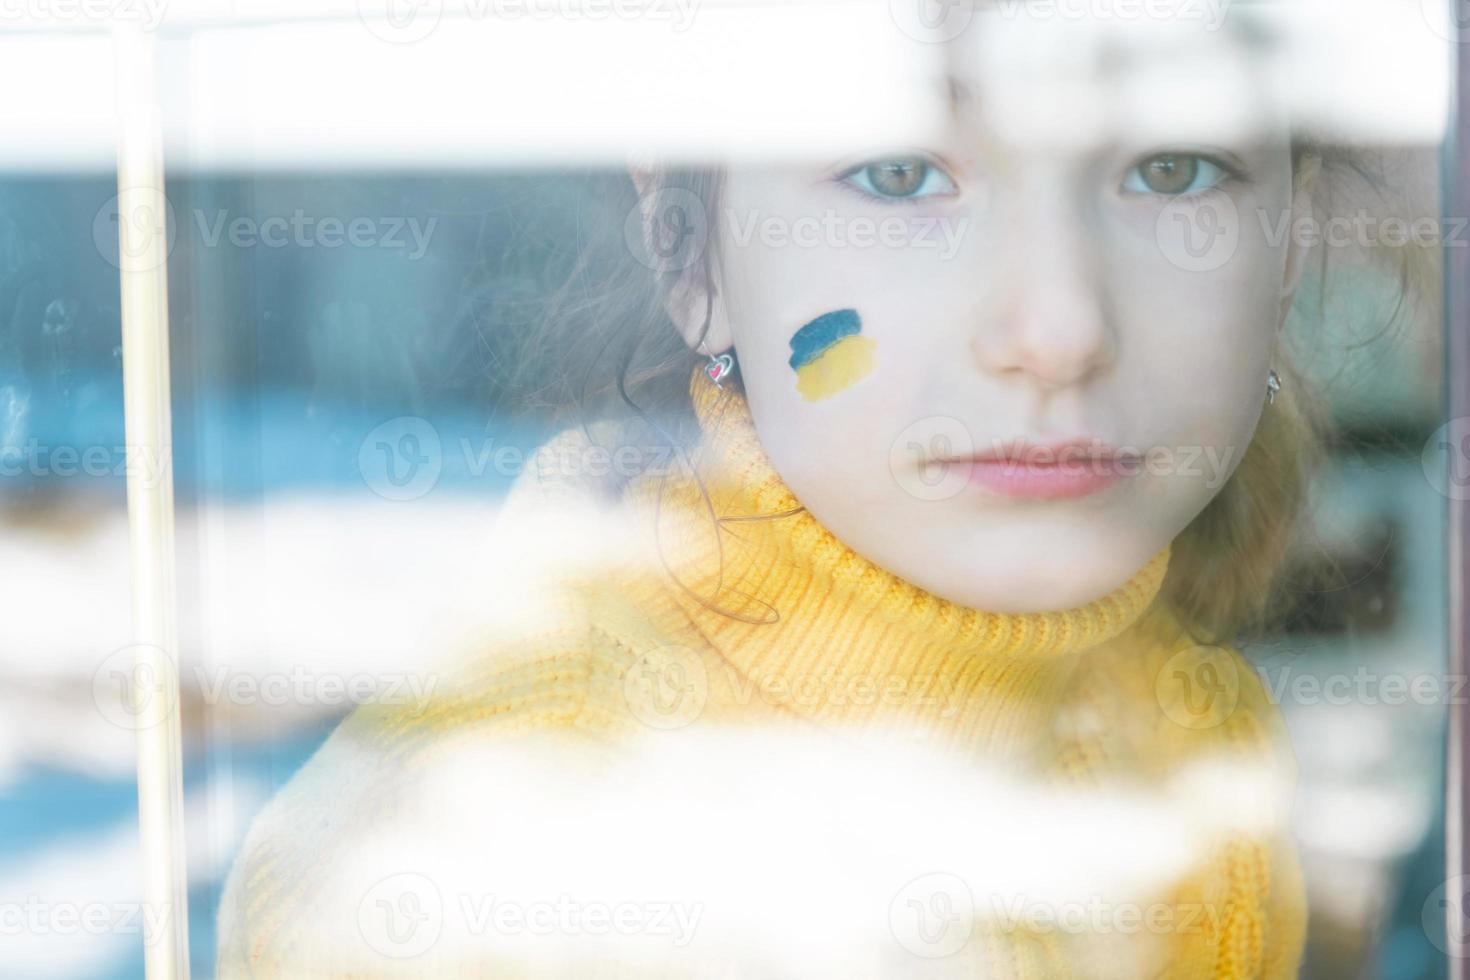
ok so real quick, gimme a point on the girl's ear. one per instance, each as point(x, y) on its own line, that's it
point(1303, 183)
point(688, 288)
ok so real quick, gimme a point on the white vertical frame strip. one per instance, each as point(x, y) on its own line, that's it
point(143, 239)
point(1456, 181)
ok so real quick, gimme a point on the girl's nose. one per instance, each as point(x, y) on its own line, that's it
point(1049, 321)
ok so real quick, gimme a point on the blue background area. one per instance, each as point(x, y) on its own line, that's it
point(284, 360)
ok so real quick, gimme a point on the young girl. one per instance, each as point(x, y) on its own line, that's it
point(973, 455)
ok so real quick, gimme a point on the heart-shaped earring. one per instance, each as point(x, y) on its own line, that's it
point(719, 368)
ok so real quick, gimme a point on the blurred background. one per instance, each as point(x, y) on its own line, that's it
point(342, 443)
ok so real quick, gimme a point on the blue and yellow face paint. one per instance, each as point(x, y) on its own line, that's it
point(830, 354)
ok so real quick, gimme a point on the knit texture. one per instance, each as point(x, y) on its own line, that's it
point(719, 578)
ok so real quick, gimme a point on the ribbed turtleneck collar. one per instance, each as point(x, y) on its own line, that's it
point(797, 611)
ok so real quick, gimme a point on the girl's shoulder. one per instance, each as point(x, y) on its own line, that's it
point(543, 669)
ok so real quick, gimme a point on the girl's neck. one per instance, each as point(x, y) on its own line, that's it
point(824, 630)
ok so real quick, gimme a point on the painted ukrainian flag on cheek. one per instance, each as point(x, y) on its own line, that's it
point(830, 355)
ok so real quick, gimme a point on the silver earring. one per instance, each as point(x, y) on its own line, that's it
point(718, 368)
point(1273, 385)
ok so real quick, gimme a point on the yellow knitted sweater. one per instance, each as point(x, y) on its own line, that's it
point(716, 604)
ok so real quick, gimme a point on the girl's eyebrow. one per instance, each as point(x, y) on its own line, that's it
point(960, 95)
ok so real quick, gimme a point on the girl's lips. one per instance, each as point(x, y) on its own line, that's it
point(1059, 471)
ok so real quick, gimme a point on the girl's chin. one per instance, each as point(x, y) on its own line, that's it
point(1043, 580)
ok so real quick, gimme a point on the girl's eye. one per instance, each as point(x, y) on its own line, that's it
point(899, 178)
point(1174, 174)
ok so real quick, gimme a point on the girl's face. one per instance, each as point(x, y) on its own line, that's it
point(1013, 366)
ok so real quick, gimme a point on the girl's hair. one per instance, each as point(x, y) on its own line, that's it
point(606, 349)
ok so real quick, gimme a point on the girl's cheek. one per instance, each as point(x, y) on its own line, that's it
point(830, 354)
